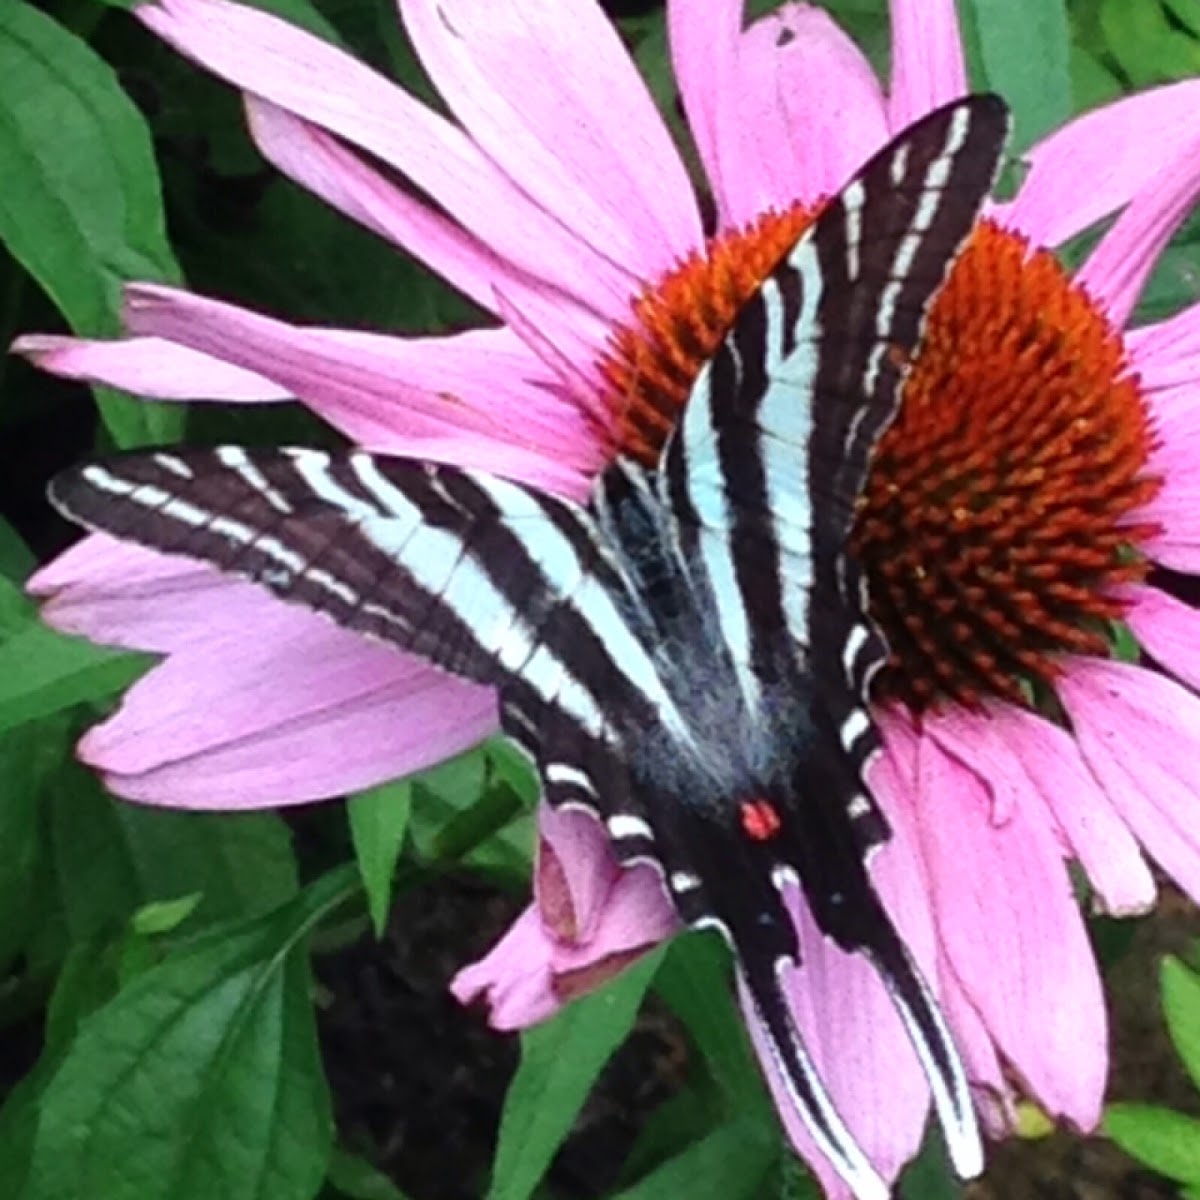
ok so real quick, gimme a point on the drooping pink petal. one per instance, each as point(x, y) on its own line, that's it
point(328, 168)
point(575, 873)
point(1167, 354)
point(513, 979)
point(704, 38)
point(1117, 270)
point(119, 594)
point(1140, 735)
point(928, 66)
point(549, 93)
point(1012, 935)
point(855, 1038)
point(1117, 149)
point(286, 710)
point(1026, 762)
point(298, 72)
point(149, 366)
point(811, 109)
point(635, 915)
point(341, 177)
point(480, 393)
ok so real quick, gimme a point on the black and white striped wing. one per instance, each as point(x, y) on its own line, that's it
point(761, 478)
point(479, 575)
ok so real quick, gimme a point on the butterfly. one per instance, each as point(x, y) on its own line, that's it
point(688, 654)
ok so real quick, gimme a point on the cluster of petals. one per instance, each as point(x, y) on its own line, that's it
point(558, 197)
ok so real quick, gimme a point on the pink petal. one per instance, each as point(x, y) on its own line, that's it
point(1026, 762)
point(119, 594)
point(990, 1087)
point(284, 712)
point(812, 111)
point(704, 37)
point(635, 915)
point(1167, 354)
point(857, 1042)
point(577, 846)
point(1175, 508)
point(928, 67)
point(1140, 735)
point(1116, 271)
point(148, 366)
point(343, 179)
point(275, 61)
point(1013, 937)
point(549, 93)
point(513, 979)
point(1167, 628)
point(400, 396)
point(1117, 149)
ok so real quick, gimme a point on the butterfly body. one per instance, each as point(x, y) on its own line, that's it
point(688, 654)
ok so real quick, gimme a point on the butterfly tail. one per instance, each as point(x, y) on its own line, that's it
point(931, 1039)
point(761, 979)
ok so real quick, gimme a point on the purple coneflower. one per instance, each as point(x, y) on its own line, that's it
point(1037, 479)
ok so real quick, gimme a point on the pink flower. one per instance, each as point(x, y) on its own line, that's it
point(994, 542)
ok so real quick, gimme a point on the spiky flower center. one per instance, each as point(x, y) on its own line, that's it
point(1000, 511)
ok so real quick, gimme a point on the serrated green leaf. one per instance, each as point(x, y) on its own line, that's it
point(731, 1163)
point(378, 822)
point(202, 1078)
point(81, 206)
point(1166, 1141)
point(1024, 51)
point(560, 1061)
point(1181, 1004)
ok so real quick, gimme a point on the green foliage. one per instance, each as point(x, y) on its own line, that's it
point(1167, 1141)
point(1024, 54)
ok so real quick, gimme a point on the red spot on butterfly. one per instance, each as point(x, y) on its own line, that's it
point(760, 820)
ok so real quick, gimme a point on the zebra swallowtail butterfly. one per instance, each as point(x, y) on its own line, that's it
point(687, 655)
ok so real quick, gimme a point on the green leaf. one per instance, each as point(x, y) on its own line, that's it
point(694, 981)
point(43, 672)
point(16, 559)
point(113, 858)
point(560, 1061)
point(164, 916)
point(1166, 1141)
point(1187, 13)
point(81, 206)
point(378, 823)
point(356, 1179)
point(1024, 52)
point(202, 1078)
point(1145, 44)
point(1181, 1004)
point(731, 1163)
point(29, 759)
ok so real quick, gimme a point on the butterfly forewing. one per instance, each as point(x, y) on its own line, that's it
point(689, 654)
